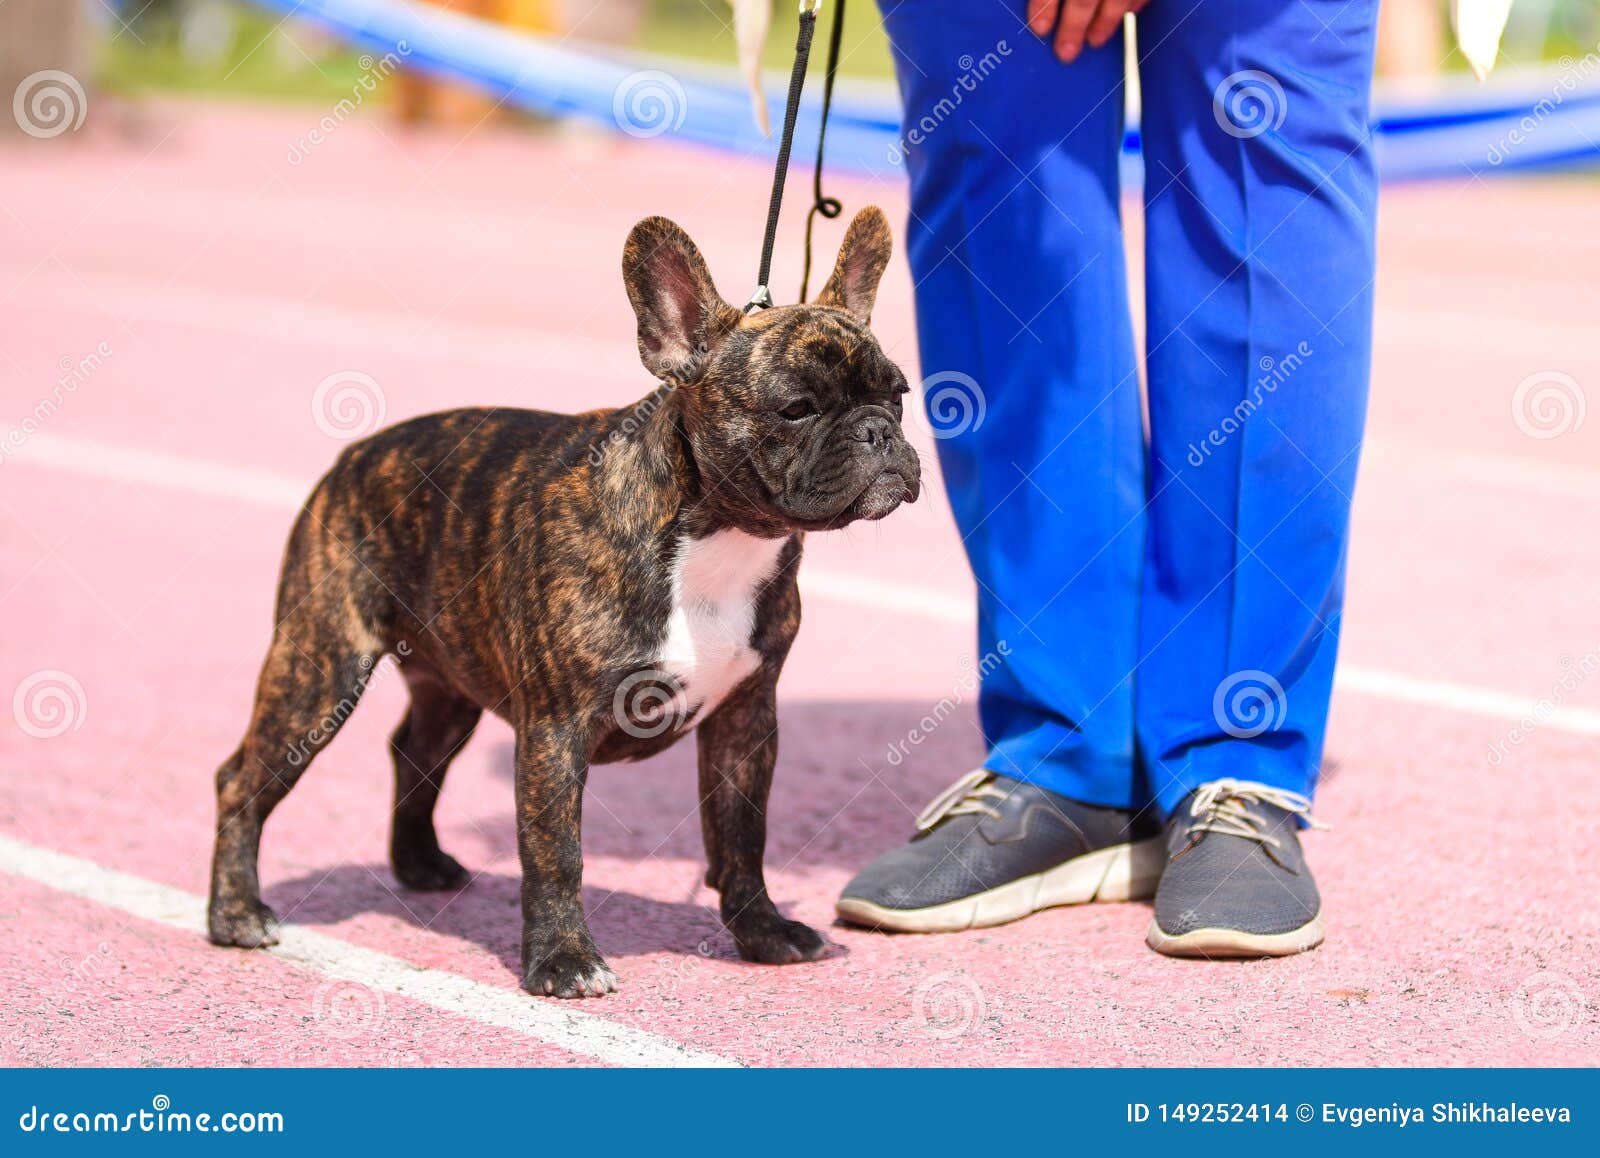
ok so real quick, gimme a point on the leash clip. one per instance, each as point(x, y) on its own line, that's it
point(811, 7)
point(760, 300)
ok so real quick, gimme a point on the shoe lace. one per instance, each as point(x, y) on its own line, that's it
point(968, 796)
point(1222, 807)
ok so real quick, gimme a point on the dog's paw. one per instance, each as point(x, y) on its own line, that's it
point(774, 940)
point(430, 872)
point(569, 973)
point(247, 924)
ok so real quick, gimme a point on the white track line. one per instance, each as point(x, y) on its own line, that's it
point(1559, 480)
point(585, 1033)
point(1468, 698)
point(123, 464)
point(128, 299)
point(113, 462)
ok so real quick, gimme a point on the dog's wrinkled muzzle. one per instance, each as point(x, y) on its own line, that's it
point(883, 495)
point(899, 482)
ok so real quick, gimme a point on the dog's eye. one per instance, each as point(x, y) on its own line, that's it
point(797, 410)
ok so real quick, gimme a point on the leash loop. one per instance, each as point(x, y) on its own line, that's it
point(829, 207)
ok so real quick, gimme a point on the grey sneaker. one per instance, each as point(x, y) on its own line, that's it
point(991, 849)
point(1236, 882)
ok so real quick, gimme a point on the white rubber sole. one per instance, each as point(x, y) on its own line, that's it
point(1123, 872)
point(1233, 944)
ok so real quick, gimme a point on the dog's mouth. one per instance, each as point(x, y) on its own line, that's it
point(878, 498)
point(883, 494)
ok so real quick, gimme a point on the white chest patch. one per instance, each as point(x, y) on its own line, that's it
point(707, 648)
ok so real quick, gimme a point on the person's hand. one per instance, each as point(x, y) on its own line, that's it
point(1075, 22)
point(751, 19)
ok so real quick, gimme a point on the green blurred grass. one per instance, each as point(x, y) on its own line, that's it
point(257, 62)
point(260, 62)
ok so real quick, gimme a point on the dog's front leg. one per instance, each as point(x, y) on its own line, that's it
point(559, 957)
point(738, 748)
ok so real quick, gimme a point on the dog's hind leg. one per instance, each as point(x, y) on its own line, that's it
point(436, 727)
point(322, 654)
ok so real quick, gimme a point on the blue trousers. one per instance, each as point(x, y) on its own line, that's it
point(1156, 608)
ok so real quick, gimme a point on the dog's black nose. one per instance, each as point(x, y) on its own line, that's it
point(875, 432)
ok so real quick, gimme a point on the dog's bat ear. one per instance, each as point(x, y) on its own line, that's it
point(863, 257)
point(681, 316)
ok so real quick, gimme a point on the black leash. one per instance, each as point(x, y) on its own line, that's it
point(827, 206)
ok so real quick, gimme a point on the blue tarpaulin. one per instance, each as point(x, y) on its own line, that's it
point(1552, 121)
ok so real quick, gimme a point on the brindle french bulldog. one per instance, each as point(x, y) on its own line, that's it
point(606, 582)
